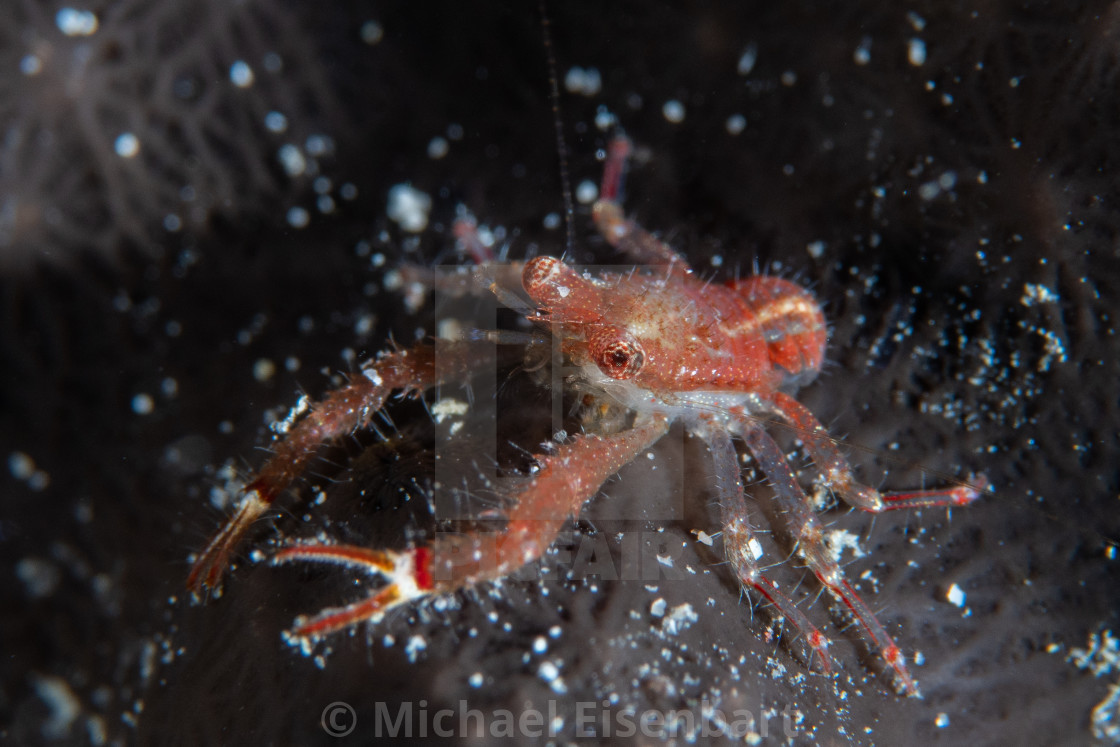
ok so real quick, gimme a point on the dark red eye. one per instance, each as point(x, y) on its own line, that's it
point(617, 354)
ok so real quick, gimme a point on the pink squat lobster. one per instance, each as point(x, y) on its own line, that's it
point(661, 342)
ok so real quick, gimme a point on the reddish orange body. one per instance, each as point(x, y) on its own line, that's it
point(670, 332)
point(655, 340)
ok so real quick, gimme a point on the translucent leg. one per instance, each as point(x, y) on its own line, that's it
point(838, 473)
point(809, 534)
point(743, 550)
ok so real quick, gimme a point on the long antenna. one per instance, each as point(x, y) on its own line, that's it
point(558, 123)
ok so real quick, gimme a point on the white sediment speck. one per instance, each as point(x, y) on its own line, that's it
point(587, 82)
point(291, 159)
point(862, 55)
point(736, 123)
point(275, 122)
point(916, 52)
point(448, 407)
point(679, 618)
point(415, 645)
point(240, 74)
point(298, 217)
point(127, 145)
point(955, 595)
point(409, 207)
point(748, 59)
point(438, 147)
point(39, 577)
point(586, 192)
point(74, 22)
point(372, 32)
point(1037, 294)
point(673, 111)
point(143, 404)
point(63, 704)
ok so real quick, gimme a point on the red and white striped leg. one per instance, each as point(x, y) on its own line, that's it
point(565, 480)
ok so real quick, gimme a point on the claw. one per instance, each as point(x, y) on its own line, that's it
point(406, 572)
point(211, 564)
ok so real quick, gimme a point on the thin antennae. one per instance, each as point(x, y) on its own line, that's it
point(558, 123)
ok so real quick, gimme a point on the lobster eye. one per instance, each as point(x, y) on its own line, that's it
point(617, 357)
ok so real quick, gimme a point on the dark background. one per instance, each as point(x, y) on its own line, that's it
point(940, 357)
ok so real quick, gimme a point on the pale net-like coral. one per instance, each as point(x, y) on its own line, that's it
point(123, 122)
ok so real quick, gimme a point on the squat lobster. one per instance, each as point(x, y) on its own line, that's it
point(659, 342)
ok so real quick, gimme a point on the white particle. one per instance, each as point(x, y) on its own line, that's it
point(291, 159)
point(21, 465)
point(929, 190)
point(39, 576)
point(475, 680)
point(437, 148)
point(604, 120)
point(1037, 294)
point(748, 59)
point(916, 52)
point(143, 404)
point(72, 22)
point(318, 145)
point(372, 32)
point(704, 538)
point(126, 145)
point(586, 82)
point(563, 291)
point(540, 644)
point(298, 217)
point(172, 222)
point(815, 249)
point(409, 207)
point(657, 608)
point(63, 704)
point(862, 55)
point(673, 111)
point(415, 645)
point(736, 123)
point(942, 720)
point(240, 74)
point(755, 548)
point(552, 221)
point(679, 618)
point(586, 192)
point(275, 122)
point(449, 407)
point(955, 595)
point(264, 369)
point(30, 65)
point(550, 673)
